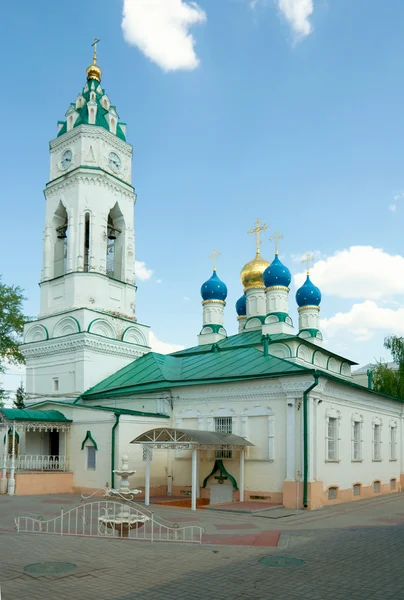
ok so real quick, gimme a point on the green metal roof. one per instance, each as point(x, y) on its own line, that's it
point(153, 371)
point(120, 411)
point(20, 414)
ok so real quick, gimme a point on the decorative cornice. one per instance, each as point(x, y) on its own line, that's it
point(93, 132)
point(98, 178)
point(277, 287)
point(301, 308)
point(222, 302)
point(82, 341)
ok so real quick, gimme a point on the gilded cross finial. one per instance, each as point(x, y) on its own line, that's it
point(94, 44)
point(257, 232)
point(275, 238)
point(215, 255)
point(307, 260)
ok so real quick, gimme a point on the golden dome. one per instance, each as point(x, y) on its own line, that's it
point(251, 273)
point(94, 72)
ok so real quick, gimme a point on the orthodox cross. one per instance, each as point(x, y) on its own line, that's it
point(308, 259)
point(275, 238)
point(215, 255)
point(257, 231)
point(94, 44)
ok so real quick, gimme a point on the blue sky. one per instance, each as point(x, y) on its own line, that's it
point(269, 111)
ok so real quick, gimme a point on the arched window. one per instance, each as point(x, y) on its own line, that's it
point(60, 221)
point(86, 242)
point(115, 243)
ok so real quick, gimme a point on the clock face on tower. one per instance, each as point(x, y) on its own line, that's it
point(66, 159)
point(114, 162)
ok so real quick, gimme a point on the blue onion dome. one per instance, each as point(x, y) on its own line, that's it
point(277, 274)
point(308, 294)
point(214, 289)
point(241, 306)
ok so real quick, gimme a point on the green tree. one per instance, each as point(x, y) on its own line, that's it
point(19, 401)
point(387, 380)
point(3, 396)
point(11, 324)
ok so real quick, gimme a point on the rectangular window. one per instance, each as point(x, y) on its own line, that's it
point(357, 489)
point(332, 493)
point(224, 425)
point(332, 453)
point(55, 384)
point(393, 443)
point(376, 486)
point(377, 442)
point(392, 484)
point(91, 458)
point(357, 440)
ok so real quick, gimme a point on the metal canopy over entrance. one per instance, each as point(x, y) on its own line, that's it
point(190, 439)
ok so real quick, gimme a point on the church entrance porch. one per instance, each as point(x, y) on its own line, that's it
point(34, 456)
point(196, 441)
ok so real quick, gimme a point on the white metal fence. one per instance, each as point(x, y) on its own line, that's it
point(39, 462)
point(111, 519)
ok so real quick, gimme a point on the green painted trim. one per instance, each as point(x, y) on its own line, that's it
point(313, 332)
point(219, 466)
point(115, 425)
point(99, 312)
point(121, 411)
point(315, 347)
point(306, 437)
point(88, 167)
point(92, 440)
point(60, 337)
point(282, 344)
point(39, 325)
point(281, 316)
point(215, 329)
point(259, 317)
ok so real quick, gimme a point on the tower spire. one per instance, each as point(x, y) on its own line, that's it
point(94, 71)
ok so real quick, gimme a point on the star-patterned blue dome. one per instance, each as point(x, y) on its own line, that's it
point(241, 306)
point(308, 294)
point(277, 274)
point(214, 289)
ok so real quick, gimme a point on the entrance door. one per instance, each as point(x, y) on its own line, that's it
point(54, 443)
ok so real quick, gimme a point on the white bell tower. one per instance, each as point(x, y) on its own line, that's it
point(86, 328)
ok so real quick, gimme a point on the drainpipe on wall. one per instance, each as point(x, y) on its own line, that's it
point(117, 416)
point(306, 438)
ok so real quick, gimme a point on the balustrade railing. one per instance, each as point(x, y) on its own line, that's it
point(39, 462)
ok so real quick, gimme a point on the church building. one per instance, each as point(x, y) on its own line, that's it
point(267, 414)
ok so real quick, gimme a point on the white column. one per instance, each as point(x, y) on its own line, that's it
point(194, 480)
point(242, 456)
point(291, 440)
point(11, 481)
point(3, 481)
point(147, 478)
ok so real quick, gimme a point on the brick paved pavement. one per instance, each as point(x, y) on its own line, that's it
point(342, 561)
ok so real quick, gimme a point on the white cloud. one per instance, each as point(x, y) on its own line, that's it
point(186, 298)
point(297, 13)
point(358, 272)
point(399, 196)
point(393, 207)
point(141, 271)
point(163, 347)
point(159, 281)
point(363, 319)
point(316, 254)
point(160, 29)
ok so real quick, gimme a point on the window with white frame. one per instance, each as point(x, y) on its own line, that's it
point(377, 441)
point(224, 425)
point(356, 440)
point(91, 458)
point(332, 438)
point(393, 442)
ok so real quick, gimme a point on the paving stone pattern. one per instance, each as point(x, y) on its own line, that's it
point(343, 561)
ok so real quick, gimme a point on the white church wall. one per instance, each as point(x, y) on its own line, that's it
point(345, 470)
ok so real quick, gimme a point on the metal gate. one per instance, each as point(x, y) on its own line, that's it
point(111, 519)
